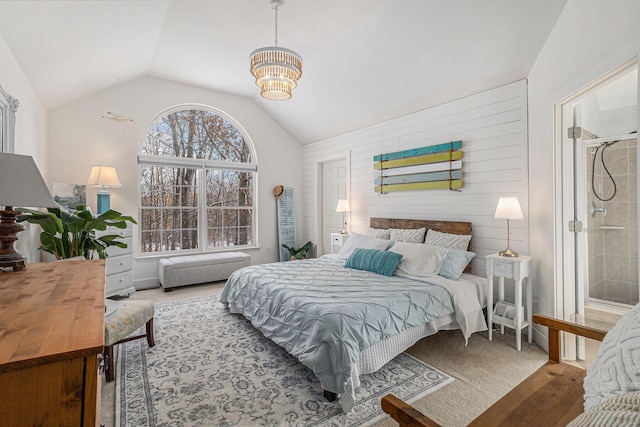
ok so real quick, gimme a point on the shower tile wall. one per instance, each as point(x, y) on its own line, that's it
point(613, 253)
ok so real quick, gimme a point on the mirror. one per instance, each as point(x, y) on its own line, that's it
point(8, 108)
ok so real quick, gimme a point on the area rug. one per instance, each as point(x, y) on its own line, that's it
point(212, 368)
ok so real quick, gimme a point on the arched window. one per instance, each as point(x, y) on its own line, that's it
point(196, 172)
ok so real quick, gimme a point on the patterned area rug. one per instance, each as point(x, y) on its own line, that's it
point(210, 367)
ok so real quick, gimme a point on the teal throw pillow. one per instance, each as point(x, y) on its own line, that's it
point(381, 262)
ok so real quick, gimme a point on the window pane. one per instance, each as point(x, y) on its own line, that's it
point(197, 134)
point(229, 227)
point(229, 188)
point(214, 218)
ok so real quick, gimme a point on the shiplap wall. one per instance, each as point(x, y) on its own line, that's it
point(493, 128)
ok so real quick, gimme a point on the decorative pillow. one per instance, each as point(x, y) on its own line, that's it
point(616, 368)
point(419, 259)
point(381, 262)
point(380, 233)
point(415, 235)
point(459, 242)
point(356, 240)
point(454, 264)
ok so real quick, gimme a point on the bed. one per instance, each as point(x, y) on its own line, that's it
point(343, 322)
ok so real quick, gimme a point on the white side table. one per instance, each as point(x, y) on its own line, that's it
point(504, 313)
point(337, 242)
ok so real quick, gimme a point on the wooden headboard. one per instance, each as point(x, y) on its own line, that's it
point(453, 227)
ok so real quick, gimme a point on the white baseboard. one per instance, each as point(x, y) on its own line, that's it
point(149, 283)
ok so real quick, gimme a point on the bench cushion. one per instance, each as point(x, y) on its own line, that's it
point(200, 268)
point(130, 316)
point(206, 259)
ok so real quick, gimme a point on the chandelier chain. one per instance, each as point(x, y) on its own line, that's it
point(276, 26)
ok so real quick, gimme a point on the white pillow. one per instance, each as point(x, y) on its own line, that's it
point(380, 233)
point(415, 235)
point(458, 242)
point(356, 240)
point(419, 259)
point(616, 368)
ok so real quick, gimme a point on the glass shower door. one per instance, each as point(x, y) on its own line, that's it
point(610, 179)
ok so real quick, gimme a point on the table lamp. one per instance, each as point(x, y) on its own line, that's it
point(20, 185)
point(343, 208)
point(508, 208)
point(103, 176)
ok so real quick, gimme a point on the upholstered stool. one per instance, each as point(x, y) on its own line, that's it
point(128, 318)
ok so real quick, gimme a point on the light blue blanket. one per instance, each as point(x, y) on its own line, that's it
point(325, 314)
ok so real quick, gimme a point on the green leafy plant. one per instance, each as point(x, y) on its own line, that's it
point(67, 234)
point(300, 253)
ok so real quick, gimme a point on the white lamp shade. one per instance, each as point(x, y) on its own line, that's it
point(343, 206)
point(508, 208)
point(103, 176)
point(21, 184)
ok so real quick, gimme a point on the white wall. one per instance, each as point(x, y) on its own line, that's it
point(492, 126)
point(590, 38)
point(30, 135)
point(79, 137)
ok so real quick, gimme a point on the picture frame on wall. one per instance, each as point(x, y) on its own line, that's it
point(8, 108)
point(69, 195)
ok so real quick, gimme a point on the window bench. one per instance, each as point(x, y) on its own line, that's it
point(192, 269)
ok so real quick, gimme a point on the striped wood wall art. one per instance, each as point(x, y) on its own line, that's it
point(428, 168)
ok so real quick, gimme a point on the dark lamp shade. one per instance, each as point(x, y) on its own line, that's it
point(21, 184)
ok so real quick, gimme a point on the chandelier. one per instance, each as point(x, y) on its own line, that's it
point(276, 69)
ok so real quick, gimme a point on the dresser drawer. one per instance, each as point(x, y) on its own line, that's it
point(119, 282)
point(503, 268)
point(119, 264)
point(122, 232)
point(114, 251)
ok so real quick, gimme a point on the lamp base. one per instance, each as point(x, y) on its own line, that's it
point(508, 253)
point(9, 257)
point(344, 232)
point(103, 201)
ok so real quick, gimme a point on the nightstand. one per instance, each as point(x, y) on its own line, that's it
point(504, 313)
point(337, 242)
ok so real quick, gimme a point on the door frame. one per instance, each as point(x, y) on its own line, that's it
point(320, 194)
point(564, 241)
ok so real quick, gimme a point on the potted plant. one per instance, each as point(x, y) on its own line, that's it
point(68, 234)
point(300, 253)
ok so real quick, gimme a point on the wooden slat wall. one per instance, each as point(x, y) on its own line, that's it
point(493, 128)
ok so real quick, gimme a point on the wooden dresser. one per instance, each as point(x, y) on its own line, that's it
point(51, 332)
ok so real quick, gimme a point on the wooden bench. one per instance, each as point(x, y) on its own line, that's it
point(551, 396)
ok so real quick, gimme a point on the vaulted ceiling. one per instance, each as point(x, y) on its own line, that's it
point(365, 61)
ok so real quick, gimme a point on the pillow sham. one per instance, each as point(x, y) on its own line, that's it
point(454, 264)
point(415, 235)
point(458, 242)
point(419, 259)
point(381, 262)
point(380, 233)
point(356, 240)
point(615, 368)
